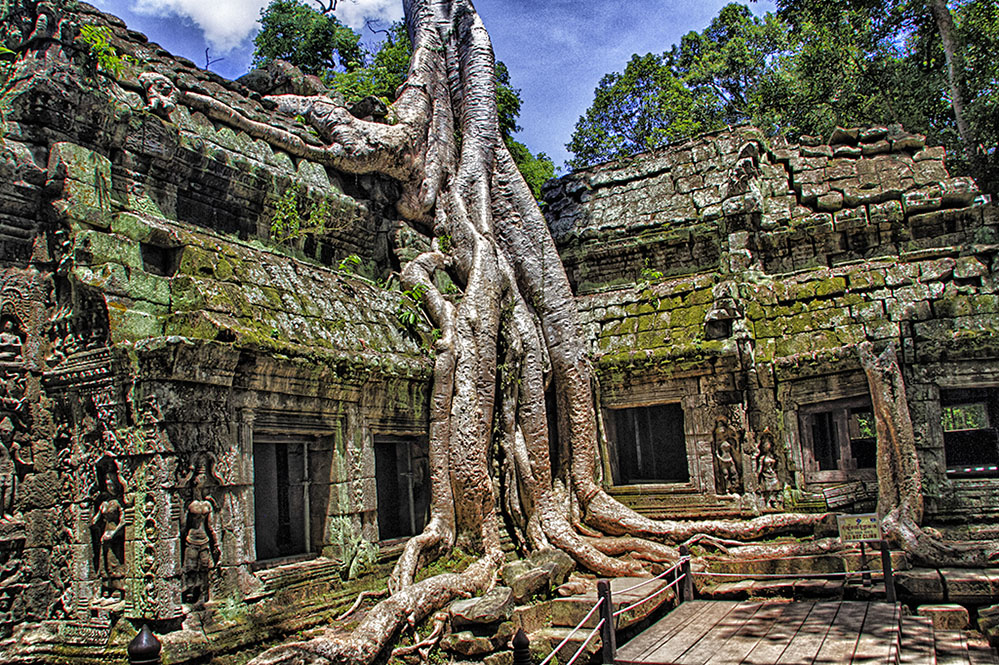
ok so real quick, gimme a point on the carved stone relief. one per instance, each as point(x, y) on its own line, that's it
point(201, 549)
point(108, 527)
point(727, 451)
point(766, 472)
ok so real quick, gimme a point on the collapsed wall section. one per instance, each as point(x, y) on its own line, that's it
point(732, 278)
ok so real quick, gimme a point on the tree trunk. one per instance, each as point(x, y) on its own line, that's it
point(955, 70)
point(900, 486)
point(513, 331)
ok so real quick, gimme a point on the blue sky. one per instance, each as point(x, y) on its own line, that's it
point(556, 50)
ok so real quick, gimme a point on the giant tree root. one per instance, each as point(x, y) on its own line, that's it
point(406, 607)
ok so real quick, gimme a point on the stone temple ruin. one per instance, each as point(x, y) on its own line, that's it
point(216, 422)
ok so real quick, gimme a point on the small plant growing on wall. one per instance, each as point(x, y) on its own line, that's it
point(99, 53)
point(349, 264)
point(289, 223)
point(408, 311)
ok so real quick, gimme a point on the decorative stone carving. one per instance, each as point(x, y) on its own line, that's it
point(200, 546)
point(8, 470)
point(10, 341)
point(726, 447)
point(161, 94)
point(108, 526)
point(766, 472)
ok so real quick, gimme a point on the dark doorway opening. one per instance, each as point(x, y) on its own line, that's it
point(402, 482)
point(650, 445)
point(291, 494)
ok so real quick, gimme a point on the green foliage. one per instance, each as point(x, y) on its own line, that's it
point(319, 44)
point(349, 263)
point(385, 73)
point(288, 222)
point(536, 169)
point(813, 65)
point(315, 42)
point(650, 274)
point(408, 311)
point(644, 107)
point(445, 243)
point(101, 54)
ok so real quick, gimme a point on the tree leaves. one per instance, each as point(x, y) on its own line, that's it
point(812, 66)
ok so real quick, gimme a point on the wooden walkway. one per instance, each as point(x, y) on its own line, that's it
point(703, 632)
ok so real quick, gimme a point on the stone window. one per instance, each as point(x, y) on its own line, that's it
point(402, 480)
point(291, 493)
point(971, 444)
point(838, 438)
point(163, 261)
point(648, 445)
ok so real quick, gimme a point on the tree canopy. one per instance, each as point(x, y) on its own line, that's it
point(806, 69)
point(316, 42)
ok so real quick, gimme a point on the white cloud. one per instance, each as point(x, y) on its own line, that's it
point(353, 12)
point(227, 23)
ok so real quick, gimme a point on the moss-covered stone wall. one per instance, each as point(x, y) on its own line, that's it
point(757, 268)
point(175, 296)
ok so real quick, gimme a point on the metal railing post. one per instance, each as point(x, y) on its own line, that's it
point(686, 586)
point(608, 638)
point(886, 569)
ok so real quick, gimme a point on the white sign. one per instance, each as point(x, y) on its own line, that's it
point(859, 528)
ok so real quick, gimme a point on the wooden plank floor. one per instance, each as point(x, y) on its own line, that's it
point(705, 632)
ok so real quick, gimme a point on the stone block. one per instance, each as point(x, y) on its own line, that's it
point(968, 267)
point(830, 202)
point(945, 617)
point(561, 563)
point(810, 192)
point(922, 200)
point(817, 151)
point(530, 583)
point(888, 212)
point(910, 142)
point(875, 148)
point(958, 191)
point(848, 151)
point(929, 171)
point(533, 617)
point(499, 658)
point(936, 153)
point(843, 135)
point(873, 134)
point(970, 586)
point(494, 606)
point(920, 584)
point(466, 643)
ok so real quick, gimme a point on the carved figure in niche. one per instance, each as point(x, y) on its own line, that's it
point(108, 524)
point(10, 342)
point(766, 471)
point(13, 393)
point(8, 469)
point(61, 338)
point(726, 441)
point(201, 551)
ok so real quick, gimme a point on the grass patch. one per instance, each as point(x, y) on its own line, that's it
point(456, 561)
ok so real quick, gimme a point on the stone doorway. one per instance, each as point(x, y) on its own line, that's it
point(291, 494)
point(402, 482)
